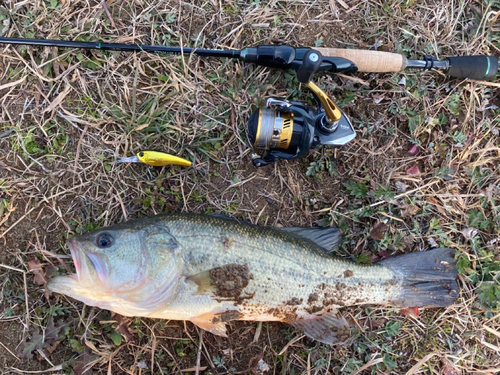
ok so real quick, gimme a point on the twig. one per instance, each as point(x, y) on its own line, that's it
point(420, 363)
point(106, 9)
point(55, 368)
point(369, 364)
point(290, 343)
point(198, 355)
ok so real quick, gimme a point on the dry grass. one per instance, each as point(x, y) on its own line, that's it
point(65, 115)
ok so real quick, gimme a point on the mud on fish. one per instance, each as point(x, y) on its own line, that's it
point(212, 270)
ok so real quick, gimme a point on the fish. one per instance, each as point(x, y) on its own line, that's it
point(212, 270)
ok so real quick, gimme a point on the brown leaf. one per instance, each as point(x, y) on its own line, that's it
point(408, 241)
point(449, 369)
point(378, 230)
point(413, 170)
point(254, 363)
point(50, 349)
point(414, 150)
point(58, 100)
point(37, 270)
point(384, 254)
point(408, 210)
point(411, 311)
point(123, 326)
point(83, 362)
point(53, 332)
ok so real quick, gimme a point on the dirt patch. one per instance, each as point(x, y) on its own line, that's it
point(348, 273)
point(12, 334)
point(230, 280)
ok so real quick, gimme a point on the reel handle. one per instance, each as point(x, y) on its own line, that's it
point(310, 64)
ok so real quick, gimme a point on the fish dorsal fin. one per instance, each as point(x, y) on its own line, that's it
point(210, 323)
point(328, 239)
point(327, 328)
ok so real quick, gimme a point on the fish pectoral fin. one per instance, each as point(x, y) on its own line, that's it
point(328, 239)
point(211, 323)
point(327, 328)
point(204, 281)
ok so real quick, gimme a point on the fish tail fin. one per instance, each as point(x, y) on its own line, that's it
point(429, 278)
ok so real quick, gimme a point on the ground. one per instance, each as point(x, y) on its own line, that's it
point(423, 172)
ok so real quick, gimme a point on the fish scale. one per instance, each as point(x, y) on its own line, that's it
point(276, 258)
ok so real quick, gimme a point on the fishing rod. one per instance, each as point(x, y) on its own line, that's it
point(288, 130)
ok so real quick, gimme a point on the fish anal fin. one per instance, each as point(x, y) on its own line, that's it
point(327, 328)
point(215, 322)
point(328, 239)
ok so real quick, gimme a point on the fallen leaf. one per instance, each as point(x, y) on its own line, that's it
point(413, 170)
point(36, 268)
point(411, 311)
point(81, 368)
point(408, 210)
point(432, 242)
point(37, 341)
point(58, 100)
point(408, 241)
point(378, 98)
point(378, 230)
point(262, 367)
point(254, 363)
point(50, 349)
point(414, 150)
point(469, 233)
point(123, 326)
point(28, 346)
point(401, 186)
point(449, 369)
point(384, 254)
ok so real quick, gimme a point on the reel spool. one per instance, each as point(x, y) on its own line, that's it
point(288, 130)
point(273, 129)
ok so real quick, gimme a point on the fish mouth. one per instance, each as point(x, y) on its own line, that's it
point(75, 254)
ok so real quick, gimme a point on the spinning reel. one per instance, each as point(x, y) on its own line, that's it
point(288, 130)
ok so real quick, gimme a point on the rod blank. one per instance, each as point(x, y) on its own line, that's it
point(121, 47)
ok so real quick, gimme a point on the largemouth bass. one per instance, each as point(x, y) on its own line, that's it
point(211, 270)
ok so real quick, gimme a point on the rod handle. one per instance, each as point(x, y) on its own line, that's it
point(474, 67)
point(369, 61)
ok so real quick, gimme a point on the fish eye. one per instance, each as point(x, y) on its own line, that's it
point(104, 240)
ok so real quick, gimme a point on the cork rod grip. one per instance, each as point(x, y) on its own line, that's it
point(369, 61)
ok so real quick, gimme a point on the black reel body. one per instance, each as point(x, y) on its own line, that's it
point(288, 130)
